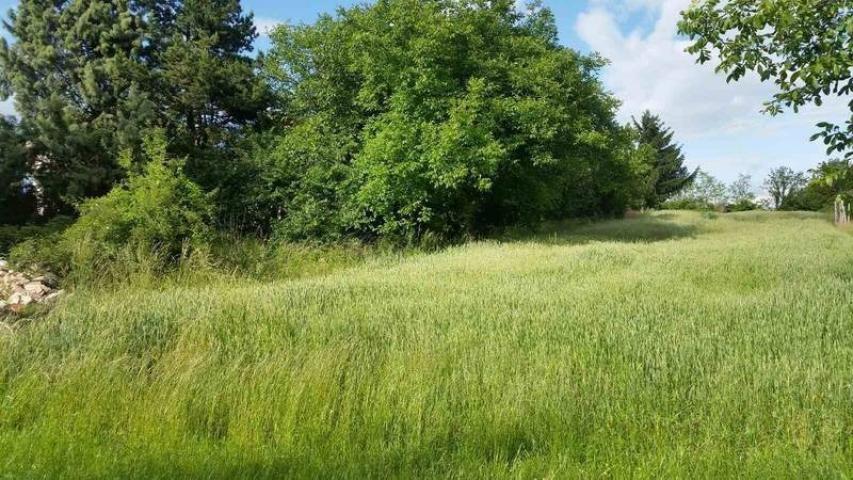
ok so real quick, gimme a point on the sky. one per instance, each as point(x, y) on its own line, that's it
point(720, 125)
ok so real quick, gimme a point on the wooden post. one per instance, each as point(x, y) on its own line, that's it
point(841, 212)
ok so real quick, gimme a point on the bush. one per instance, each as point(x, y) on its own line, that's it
point(159, 209)
point(688, 204)
point(744, 205)
point(10, 235)
point(155, 218)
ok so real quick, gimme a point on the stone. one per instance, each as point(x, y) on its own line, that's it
point(20, 298)
point(4, 264)
point(48, 279)
point(53, 297)
point(36, 289)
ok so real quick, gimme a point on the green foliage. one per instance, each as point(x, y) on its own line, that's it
point(77, 73)
point(45, 234)
point(827, 182)
point(153, 221)
point(90, 76)
point(207, 86)
point(741, 190)
point(704, 193)
point(743, 205)
point(18, 203)
point(782, 184)
point(438, 118)
point(159, 209)
point(804, 46)
point(741, 195)
point(668, 176)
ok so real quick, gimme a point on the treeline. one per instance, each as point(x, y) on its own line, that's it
point(783, 189)
point(153, 123)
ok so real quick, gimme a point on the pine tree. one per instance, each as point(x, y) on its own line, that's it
point(208, 84)
point(76, 72)
point(669, 175)
point(91, 77)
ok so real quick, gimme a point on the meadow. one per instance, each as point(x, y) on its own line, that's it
point(674, 345)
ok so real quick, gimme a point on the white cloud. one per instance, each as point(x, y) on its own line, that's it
point(650, 70)
point(265, 25)
point(7, 107)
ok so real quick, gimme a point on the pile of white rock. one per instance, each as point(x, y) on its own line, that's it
point(17, 289)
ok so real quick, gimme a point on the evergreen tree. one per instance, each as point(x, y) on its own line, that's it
point(90, 77)
point(669, 175)
point(207, 83)
point(76, 72)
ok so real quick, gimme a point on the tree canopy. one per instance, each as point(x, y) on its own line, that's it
point(444, 117)
point(782, 184)
point(804, 46)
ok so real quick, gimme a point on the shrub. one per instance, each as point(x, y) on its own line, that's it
point(160, 209)
point(154, 218)
point(744, 205)
point(687, 204)
point(10, 235)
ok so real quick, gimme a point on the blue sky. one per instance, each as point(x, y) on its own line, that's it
point(719, 124)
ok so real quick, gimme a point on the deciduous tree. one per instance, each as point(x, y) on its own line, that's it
point(440, 118)
point(782, 183)
point(803, 46)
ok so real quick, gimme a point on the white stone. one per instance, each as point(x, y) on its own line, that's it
point(36, 288)
point(53, 297)
point(20, 298)
point(48, 279)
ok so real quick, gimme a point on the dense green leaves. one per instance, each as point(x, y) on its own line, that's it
point(827, 182)
point(77, 74)
point(158, 209)
point(804, 46)
point(442, 118)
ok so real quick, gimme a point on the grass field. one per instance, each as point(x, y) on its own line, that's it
point(677, 345)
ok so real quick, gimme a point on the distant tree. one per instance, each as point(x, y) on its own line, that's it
point(741, 195)
point(704, 193)
point(804, 46)
point(782, 184)
point(741, 189)
point(668, 173)
point(828, 181)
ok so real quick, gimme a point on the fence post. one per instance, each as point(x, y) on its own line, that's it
point(841, 212)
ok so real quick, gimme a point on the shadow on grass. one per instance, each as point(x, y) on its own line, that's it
point(645, 229)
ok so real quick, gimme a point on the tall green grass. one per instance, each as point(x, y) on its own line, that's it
point(676, 345)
